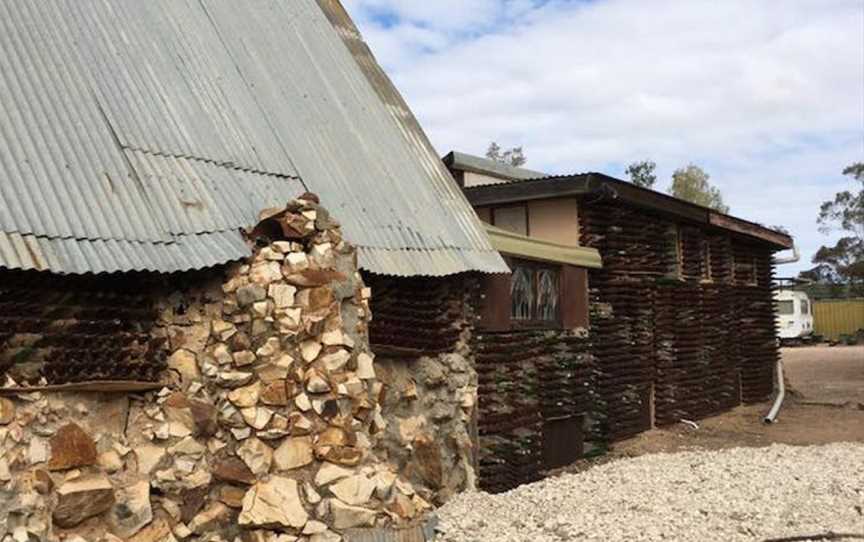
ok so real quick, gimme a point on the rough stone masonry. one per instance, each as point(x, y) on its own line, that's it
point(266, 426)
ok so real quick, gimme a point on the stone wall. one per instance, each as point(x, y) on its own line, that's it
point(421, 333)
point(266, 426)
point(429, 404)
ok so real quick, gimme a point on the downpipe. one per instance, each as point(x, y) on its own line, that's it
point(781, 394)
point(789, 259)
point(771, 417)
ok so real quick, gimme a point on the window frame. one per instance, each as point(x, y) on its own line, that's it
point(707, 272)
point(495, 309)
point(534, 322)
point(493, 212)
point(754, 271)
point(786, 303)
point(677, 240)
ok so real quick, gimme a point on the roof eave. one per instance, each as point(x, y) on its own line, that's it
point(522, 246)
point(475, 164)
point(594, 183)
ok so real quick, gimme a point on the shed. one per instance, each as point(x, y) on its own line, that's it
point(681, 319)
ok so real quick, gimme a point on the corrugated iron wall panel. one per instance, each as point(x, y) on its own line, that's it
point(835, 317)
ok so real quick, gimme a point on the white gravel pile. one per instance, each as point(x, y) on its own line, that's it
point(738, 494)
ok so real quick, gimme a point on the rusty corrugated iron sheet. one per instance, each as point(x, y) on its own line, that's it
point(129, 124)
point(425, 532)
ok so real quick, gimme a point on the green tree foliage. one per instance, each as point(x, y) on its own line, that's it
point(512, 157)
point(843, 262)
point(691, 184)
point(642, 173)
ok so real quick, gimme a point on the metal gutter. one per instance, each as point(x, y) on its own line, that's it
point(794, 258)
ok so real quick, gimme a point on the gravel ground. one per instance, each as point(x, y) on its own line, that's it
point(736, 494)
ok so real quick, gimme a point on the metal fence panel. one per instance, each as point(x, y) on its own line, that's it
point(835, 317)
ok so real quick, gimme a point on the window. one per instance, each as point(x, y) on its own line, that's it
point(522, 294)
point(754, 273)
point(534, 291)
point(805, 307)
point(675, 252)
point(706, 261)
point(786, 307)
point(513, 219)
point(746, 270)
point(535, 295)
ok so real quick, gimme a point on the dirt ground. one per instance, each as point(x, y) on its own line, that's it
point(828, 375)
point(826, 405)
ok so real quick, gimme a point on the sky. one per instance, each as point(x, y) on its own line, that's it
point(767, 96)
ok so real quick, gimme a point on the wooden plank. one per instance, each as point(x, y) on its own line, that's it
point(574, 298)
point(753, 230)
point(494, 309)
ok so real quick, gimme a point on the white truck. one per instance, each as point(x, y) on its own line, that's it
point(794, 316)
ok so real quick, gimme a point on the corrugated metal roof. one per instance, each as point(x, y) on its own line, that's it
point(434, 262)
point(154, 126)
point(80, 256)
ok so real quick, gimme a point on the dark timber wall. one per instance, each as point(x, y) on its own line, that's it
point(60, 330)
point(683, 318)
point(532, 400)
point(413, 317)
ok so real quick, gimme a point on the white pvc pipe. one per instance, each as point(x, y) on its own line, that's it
point(789, 259)
point(691, 423)
point(781, 393)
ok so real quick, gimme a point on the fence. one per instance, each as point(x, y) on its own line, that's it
point(835, 317)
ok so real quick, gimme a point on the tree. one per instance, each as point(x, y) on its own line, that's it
point(642, 173)
point(691, 184)
point(821, 273)
point(844, 262)
point(512, 157)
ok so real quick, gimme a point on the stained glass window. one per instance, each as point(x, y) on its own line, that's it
point(522, 294)
point(547, 294)
point(535, 291)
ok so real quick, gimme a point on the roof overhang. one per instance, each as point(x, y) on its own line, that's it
point(474, 164)
point(521, 246)
point(600, 185)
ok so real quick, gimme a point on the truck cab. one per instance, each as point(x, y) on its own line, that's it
point(794, 316)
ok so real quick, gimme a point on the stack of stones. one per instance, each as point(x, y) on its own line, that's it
point(264, 430)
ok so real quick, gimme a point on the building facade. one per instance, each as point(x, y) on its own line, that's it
point(681, 317)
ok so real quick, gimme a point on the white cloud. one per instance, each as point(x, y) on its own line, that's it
point(767, 96)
